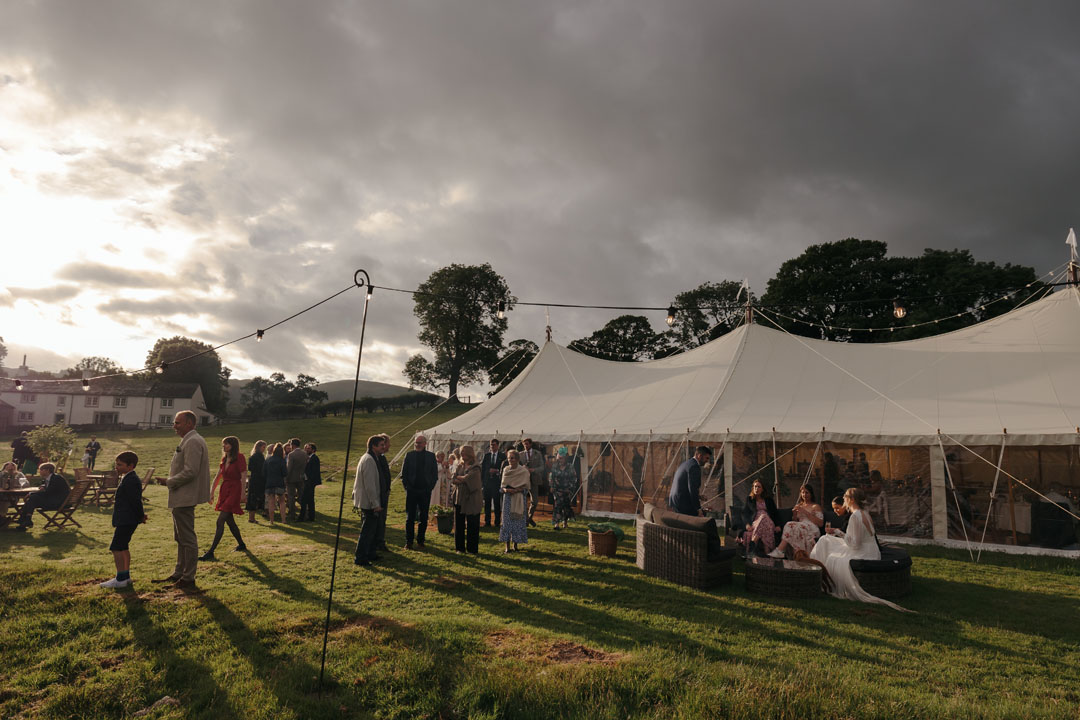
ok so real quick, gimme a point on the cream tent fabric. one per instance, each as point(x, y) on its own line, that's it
point(1016, 373)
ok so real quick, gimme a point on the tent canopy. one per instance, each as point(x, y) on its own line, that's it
point(1014, 374)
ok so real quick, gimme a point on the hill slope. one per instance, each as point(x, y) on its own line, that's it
point(335, 390)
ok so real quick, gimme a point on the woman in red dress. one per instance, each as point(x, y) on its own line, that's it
point(230, 486)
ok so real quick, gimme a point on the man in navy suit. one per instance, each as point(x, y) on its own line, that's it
point(53, 493)
point(685, 495)
point(491, 477)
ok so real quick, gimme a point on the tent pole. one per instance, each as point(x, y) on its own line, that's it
point(1012, 513)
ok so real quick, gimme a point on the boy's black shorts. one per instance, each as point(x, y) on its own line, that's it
point(121, 537)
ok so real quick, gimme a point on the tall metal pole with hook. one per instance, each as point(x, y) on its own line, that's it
point(364, 283)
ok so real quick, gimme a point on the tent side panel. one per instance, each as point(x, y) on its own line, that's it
point(938, 493)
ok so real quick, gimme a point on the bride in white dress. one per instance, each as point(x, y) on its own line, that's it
point(835, 550)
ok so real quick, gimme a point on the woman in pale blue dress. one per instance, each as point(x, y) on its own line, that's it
point(515, 488)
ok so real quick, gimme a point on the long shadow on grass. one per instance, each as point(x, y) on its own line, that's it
point(184, 676)
point(57, 543)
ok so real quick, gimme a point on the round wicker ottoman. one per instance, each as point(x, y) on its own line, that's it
point(783, 578)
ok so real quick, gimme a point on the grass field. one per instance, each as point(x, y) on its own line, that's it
point(548, 632)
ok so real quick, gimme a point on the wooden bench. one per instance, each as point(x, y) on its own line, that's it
point(62, 516)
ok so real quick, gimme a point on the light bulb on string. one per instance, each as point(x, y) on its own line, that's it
point(86, 385)
point(898, 310)
point(670, 319)
point(258, 335)
point(160, 369)
point(502, 309)
point(18, 384)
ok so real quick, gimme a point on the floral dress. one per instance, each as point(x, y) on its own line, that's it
point(563, 487)
point(802, 533)
point(763, 529)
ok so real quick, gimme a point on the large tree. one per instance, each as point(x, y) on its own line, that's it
point(627, 338)
point(852, 284)
point(707, 312)
point(457, 307)
point(93, 366)
point(260, 395)
point(206, 369)
point(511, 362)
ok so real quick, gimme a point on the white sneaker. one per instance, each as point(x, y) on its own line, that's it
point(777, 553)
point(114, 583)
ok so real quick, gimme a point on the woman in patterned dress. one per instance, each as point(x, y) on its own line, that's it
point(761, 519)
point(515, 487)
point(801, 534)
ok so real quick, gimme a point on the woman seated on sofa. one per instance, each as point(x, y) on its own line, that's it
point(759, 514)
point(804, 529)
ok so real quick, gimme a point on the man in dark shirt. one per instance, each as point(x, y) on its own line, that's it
point(92, 449)
point(685, 495)
point(53, 493)
point(384, 494)
point(312, 478)
point(419, 474)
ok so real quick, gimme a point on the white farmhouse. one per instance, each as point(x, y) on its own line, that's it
point(109, 403)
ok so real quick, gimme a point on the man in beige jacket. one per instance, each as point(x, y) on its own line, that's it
point(367, 491)
point(189, 485)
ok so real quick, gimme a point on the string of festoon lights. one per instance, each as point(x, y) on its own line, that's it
point(672, 312)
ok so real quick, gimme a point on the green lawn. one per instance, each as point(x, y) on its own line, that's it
point(548, 632)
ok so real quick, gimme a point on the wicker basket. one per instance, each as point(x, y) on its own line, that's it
point(603, 543)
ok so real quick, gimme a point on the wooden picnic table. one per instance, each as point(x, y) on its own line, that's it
point(13, 499)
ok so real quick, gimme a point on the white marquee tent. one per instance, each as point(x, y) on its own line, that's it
point(985, 397)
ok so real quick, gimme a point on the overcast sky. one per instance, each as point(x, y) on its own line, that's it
point(207, 168)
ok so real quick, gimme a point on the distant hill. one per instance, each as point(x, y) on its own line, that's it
point(335, 390)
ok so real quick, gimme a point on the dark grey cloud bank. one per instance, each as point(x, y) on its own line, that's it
point(608, 153)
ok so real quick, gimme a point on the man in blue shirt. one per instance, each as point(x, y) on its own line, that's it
point(685, 495)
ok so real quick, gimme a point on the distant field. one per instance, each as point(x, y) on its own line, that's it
point(335, 390)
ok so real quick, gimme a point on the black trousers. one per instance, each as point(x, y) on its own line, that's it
point(307, 502)
point(416, 510)
point(33, 502)
point(380, 530)
point(466, 531)
point(365, 544)
point(492, 497)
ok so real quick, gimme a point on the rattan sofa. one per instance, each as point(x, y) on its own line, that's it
point(889, 577)
point(680, 556)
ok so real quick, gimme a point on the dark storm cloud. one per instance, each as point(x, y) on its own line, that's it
point(607, 153)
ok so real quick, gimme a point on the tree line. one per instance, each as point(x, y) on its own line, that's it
point(821, 293)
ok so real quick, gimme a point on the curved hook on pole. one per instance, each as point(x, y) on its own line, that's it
point(362, 282)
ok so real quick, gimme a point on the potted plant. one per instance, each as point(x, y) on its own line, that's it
point(444, 518)
point(604, 538)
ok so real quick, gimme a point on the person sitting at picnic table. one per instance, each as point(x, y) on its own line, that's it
point(759, 514)
point(10, 479)
point(805, 527)
point(514, 486)
point(53, 493)
point(836, 549)
point(563, 486)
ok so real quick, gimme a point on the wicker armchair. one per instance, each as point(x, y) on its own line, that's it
point(680, 556)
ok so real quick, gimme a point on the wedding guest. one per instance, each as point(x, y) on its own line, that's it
point(805, 527)
point(491, 474)
point(295, 463)
point(468, 502)
point(10, 479)
point(841, 513)
point(514, 486)
point(367, 492)
point(51, 496)
point(419, 475)
point(126, 516)
point(256, 493)
point(563, 487)
point(274, 471)
point(229, 484)
point(385, 483)
point(533, 459)
point(759, 514)
point(440, 494)
point(189, 486)
point(312, 479)
point(92, 449)
point(836, 549)
point(685, 495)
